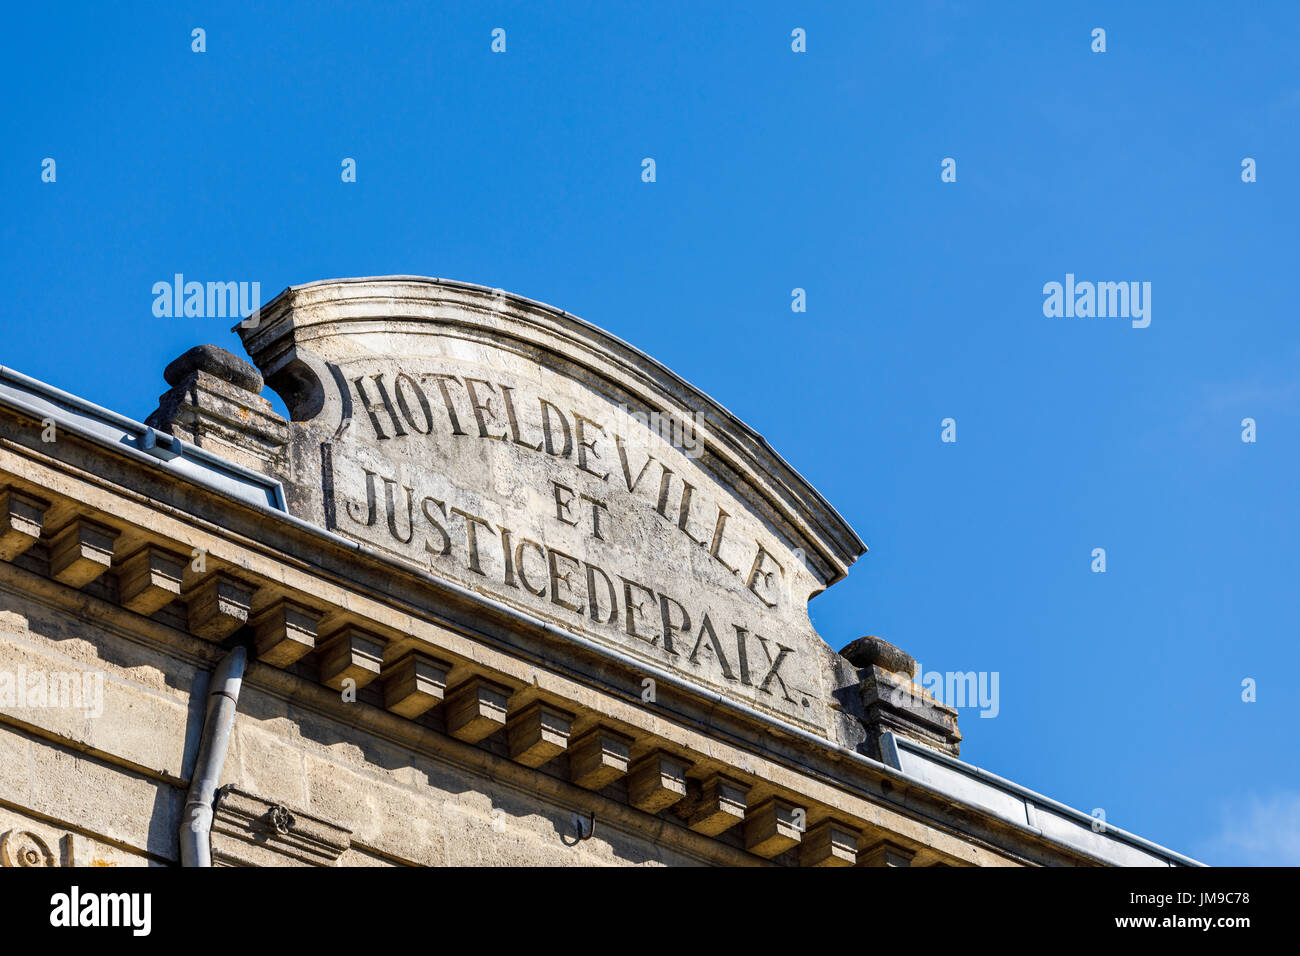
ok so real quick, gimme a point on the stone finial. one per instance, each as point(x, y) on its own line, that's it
point(215, 403)
point(889, 700)
point(217, 362)
point(869, 650)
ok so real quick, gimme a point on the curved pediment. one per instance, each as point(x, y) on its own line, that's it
point(520, 451)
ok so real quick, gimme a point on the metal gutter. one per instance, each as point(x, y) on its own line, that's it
point(902, 753)
point(108, 428)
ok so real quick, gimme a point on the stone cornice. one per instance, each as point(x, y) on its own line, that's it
point(372, 614)
point(820, 783)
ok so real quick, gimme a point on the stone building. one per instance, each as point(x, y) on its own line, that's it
point(503, 590)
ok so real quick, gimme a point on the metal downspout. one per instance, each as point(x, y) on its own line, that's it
point(196, 819)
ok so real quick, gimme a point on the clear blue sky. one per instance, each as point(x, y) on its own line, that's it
point(778, 170)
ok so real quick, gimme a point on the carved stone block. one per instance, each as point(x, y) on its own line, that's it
point(22, 518)
point(892, 702)
point(150, 579)
point(24, 848)
point(656, 782)
point(81, 552)
point(538, 733)
point(720, 807)
point(476, 709)
point(773, 827)
point(250, 831)
point(885, 853)
point(415, 684)
point(214, 403)
point(218, 606)
point(285, 632)
point(599, 758)
point(829, 844)
point(351, 654)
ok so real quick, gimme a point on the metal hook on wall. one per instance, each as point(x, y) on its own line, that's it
point(584, 832)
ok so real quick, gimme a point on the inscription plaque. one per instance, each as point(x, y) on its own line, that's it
point(522, 453)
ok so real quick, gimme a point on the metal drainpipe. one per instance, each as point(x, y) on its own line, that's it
point(196, 819)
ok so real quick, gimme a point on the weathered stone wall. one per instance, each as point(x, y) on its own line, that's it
point(108, 789)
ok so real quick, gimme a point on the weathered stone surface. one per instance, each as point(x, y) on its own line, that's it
point(773, 827)
point(214, 404)
point(598, 758)
point(869, 650)
point(414, 809)
point(415, 684)
point(538, 733)
point(350, 655)
point(829, 844)
point(115, 696)
point(150, 579)
point(891, 701)
point(506, 447)
point(885, 853)
point(250, 831)
point(656, 782)
point(215, 361)
point(22, 518)
point(218, 605)
point(285, 632)
point(26, 841)
point(476, 709)
point(721, 805)
point(23, 848)
point(115, 805)
point(81, 552)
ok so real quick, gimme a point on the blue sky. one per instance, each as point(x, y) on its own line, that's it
point(778, 170)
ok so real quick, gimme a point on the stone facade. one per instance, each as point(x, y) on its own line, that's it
point(513, 594)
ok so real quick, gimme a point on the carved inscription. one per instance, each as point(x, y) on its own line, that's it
point(565, 505)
